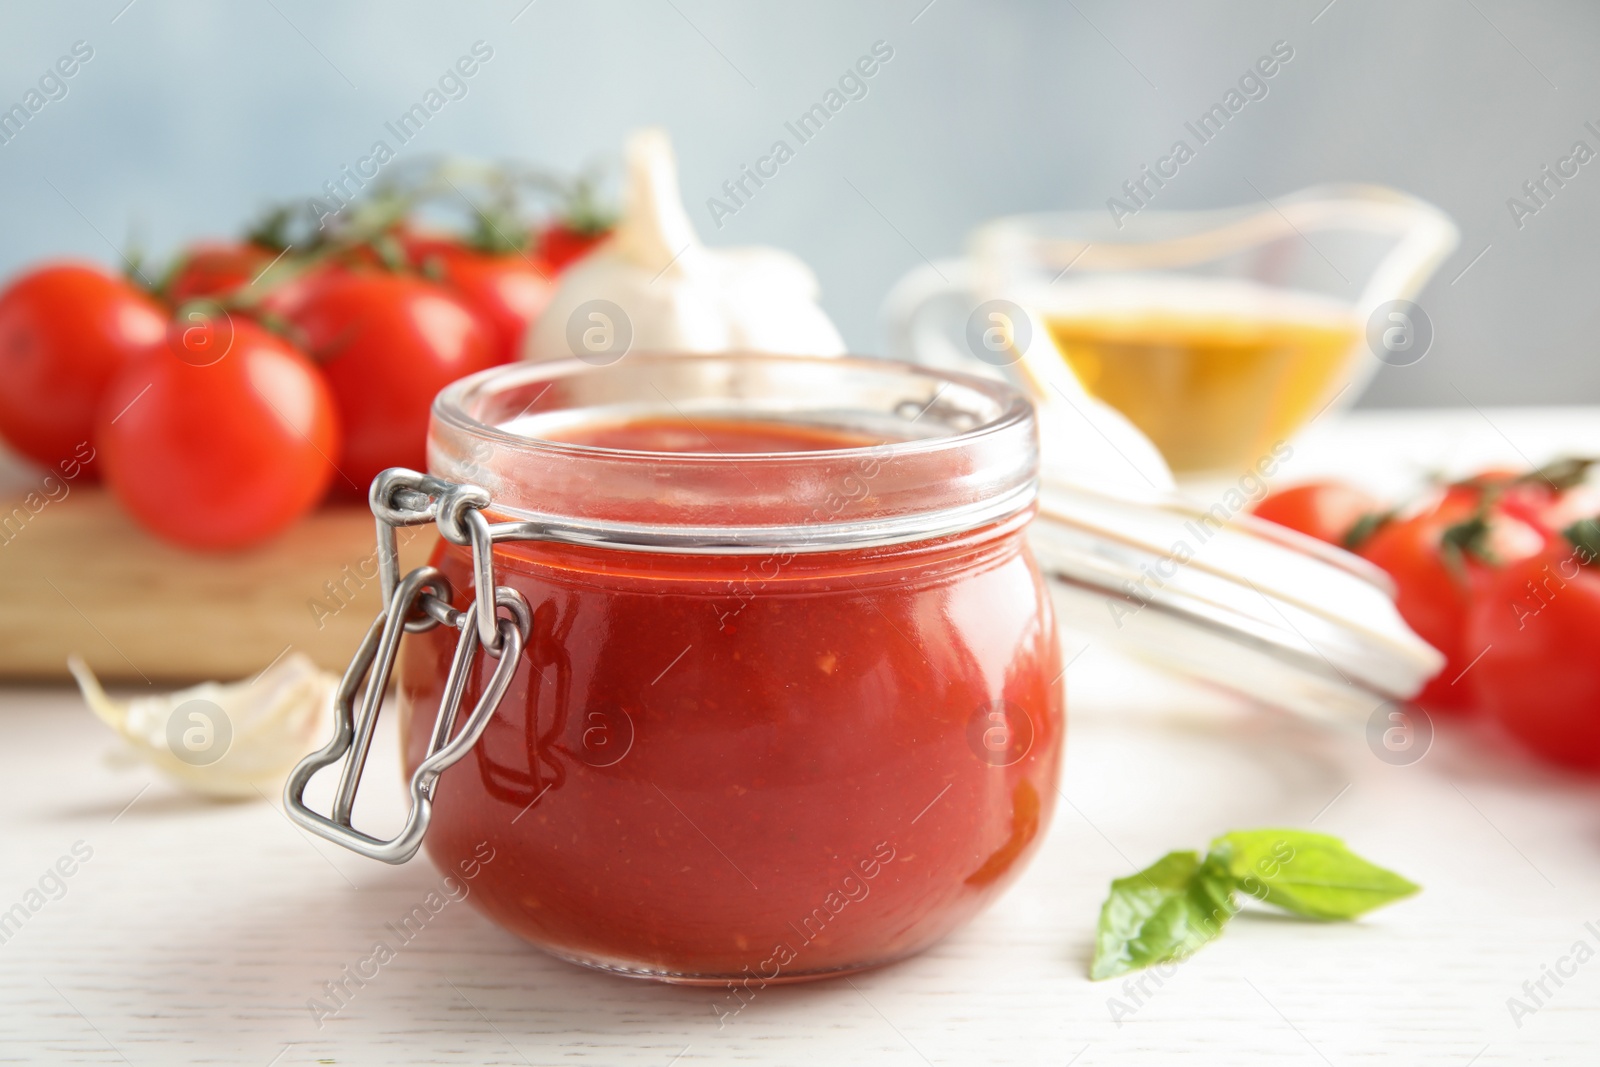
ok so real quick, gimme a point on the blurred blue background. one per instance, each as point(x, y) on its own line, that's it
point(191, 116)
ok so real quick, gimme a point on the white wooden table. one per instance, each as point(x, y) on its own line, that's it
point(196, 933)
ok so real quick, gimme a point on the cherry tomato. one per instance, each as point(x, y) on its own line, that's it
point(212, 269)
point(65, 330)
point(1552, 497)
point(387, 343)
point(298, 278)
point(419, 244)
point(1439, 559)
point(287, 294)
point(1561, 509)
point(562, 244)
point(1539, 620)
point(1473, 486)
point(1328, 511)
point(219, 449)
point(507, 291)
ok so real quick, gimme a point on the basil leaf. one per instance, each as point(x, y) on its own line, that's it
point(1164, 912)
point(1308, 874)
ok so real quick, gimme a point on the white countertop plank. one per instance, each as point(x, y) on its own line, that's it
point(197, 932)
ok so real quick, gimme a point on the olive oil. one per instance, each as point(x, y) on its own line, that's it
point(1215, 383)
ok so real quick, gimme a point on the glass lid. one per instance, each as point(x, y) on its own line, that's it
point(1203, 589)
point(1235, 602)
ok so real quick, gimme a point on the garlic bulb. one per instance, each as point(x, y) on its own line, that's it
point(673, 293)
point(222, 740)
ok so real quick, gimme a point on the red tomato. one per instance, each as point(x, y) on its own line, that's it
point(65, 330)
point(215, 269)
point(1568, 506)
point(1539, 619)
point(1471, 488)
point(1552, 504)
point(561, 244)
point(387, 343)
point(220, 455)
point(1436, 583)
point(418, 245)
point(507, 291)
point(292, 286)
point(285, 296)
point(1327, 511)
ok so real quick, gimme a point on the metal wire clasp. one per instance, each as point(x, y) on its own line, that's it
point(497, 624)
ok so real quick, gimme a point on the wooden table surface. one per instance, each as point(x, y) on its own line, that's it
point(192, 932)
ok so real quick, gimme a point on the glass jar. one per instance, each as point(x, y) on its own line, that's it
point(790, 699)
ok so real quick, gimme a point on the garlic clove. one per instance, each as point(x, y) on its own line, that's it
point(654, 232)
point(771, 305)
point(222, 740)
point(676, 294)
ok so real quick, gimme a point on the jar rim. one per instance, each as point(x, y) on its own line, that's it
point(954, 451)
point(450, 405)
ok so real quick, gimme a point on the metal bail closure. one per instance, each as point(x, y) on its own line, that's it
point(419, 601)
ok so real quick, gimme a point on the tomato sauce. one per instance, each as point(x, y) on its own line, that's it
point(717, 436)
point(752, 768)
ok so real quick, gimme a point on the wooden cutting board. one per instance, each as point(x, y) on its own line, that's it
point(77, 575)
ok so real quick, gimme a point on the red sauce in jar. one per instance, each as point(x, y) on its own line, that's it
point(752, 768)
point(718, 436)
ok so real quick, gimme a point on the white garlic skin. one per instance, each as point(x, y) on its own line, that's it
point(678, 295)
point(234, 740)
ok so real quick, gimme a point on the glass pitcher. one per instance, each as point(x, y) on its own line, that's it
point(1215, 333)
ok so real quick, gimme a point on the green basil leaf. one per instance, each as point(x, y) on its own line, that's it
point(1164, 912)
point(1308, 874)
